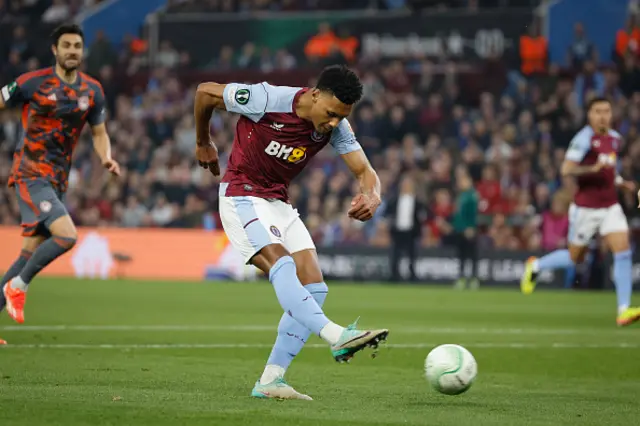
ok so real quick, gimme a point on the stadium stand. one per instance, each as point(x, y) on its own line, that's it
point(418, 118)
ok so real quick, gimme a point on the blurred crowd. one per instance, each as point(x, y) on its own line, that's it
point(49, 11)
point(234, 6)
point(414, 120)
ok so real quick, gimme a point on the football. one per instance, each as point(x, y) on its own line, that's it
point(450, 369)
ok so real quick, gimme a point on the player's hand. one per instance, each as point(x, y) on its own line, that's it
point(639, 199)
point(364, 206)
point(599, 166)
point(112, 166)
point(207, 156)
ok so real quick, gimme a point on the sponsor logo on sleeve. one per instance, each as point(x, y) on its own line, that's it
point(8, 91)
point(242, 96)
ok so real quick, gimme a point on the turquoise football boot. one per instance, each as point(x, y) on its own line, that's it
point(278, 389)
point(353, 340)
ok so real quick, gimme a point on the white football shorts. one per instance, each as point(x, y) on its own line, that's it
point(252, 223)
point(585, 222)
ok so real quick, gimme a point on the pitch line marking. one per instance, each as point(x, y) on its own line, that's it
point(481, 345)
point(257, 328)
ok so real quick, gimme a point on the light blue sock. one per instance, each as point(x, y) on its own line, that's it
point(559, 259)
point(294, 298)
point(622, 267)
point(291, 334)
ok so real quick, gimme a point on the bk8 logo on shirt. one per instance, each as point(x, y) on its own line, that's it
point(608, 159)
point(287, 153)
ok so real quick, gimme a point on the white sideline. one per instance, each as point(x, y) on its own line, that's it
point(255, 328)
point(487, 345)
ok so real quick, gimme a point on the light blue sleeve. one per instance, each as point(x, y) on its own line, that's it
point(343, 139)
point(255, 100)
point(580, 145)
point(614, 134)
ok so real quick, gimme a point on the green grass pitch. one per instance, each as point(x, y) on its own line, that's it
point(153, 353)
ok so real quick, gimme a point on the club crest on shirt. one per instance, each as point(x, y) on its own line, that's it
point(45, 206)
point(275, 231)
point(83, 103)
point(317, 136)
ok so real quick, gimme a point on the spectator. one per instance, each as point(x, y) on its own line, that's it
point(101, 53)
point(321, 45)
point(627, 40)
point(581, 49)
point(630, 76)
point(405, 214)
point(56, 13)
point(465, 230)
point(534, 52)
point(20, 44)
point(555, 225)
point(590, 82)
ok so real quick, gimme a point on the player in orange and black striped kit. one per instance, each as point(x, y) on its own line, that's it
point(56, 103)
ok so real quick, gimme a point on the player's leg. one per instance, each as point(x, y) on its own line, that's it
point(461, 249)
point(256, 217)
point(299, 242)
point(45, 203)
point(583, 224)
point(472, 249)
point(412, 253)
point(295, 299)
point(615, 232)
point(251, 225)
point(291, 334)
point(396, 257)
point(29, 245)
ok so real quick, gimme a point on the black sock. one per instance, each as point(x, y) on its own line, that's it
point(13, 271)
point(48, 251)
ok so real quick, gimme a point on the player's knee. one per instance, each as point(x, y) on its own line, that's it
point(30, 244)
point(577, 256)
point(65, 242)
point(308, 267)
point(64, 227)
point(625, 255)
point(273, 253)
point(619, 242)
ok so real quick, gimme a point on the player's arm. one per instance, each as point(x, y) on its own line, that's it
point(573, 168)
point(249, 100)
point(15, 93)
point(102, 147)
point(578, 149)
point(209, 96)
point(622, 183)
point(101, 140)
point(365, 204)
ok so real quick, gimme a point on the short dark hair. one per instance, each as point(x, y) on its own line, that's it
point(66, 29)
point(597, 100)
point(341, 82)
